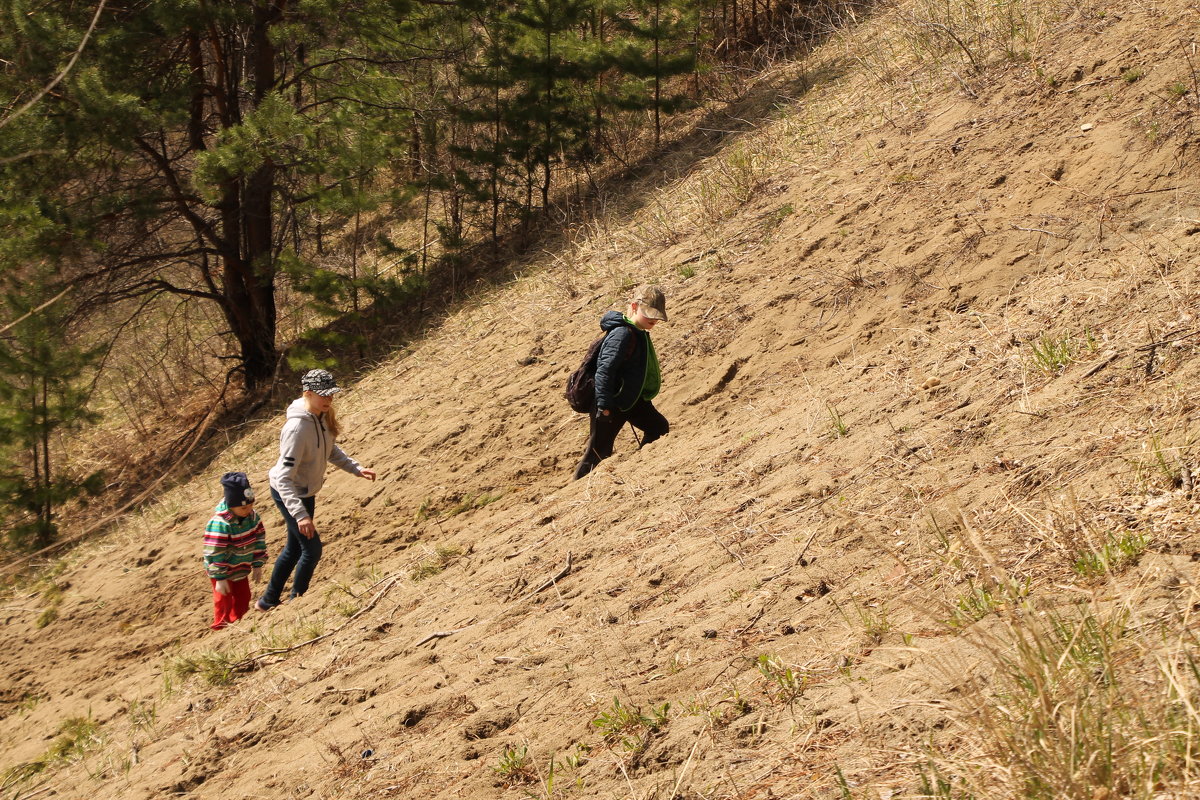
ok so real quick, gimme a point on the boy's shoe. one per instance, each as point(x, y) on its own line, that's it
point(261, 606)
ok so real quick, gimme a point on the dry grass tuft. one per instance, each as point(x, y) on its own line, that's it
point(1088, 701)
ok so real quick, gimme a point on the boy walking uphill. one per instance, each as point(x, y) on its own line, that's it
point(627, 377)
point(235, 548)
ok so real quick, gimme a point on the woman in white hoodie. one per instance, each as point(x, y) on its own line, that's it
point(306, 445)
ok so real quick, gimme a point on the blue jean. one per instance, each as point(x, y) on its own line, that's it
point(299, 553)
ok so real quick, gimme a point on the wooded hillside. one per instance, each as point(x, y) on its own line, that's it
point(924, 525)
point(193, 189)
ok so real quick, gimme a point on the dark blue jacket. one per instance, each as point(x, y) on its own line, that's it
point(620, 368)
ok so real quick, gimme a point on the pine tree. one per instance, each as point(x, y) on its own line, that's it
point(41, 398)
point(656, 45)
point(485, 153)
point(548, 118)
point(179, 156)
point(207, 149)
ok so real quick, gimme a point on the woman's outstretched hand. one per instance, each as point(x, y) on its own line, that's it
point(369, 474)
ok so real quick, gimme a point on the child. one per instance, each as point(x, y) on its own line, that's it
point(627, 377)
point(306, 446)
point(235, 548)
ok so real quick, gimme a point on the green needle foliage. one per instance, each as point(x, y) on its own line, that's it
point(195, 144)
point(41, 397)
point(654, 49)
point(215, 151)
point(197, 170)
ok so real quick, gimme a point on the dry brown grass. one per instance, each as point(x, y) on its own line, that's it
point(996, 601)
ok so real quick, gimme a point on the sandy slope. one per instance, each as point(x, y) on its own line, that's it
point(890, 268)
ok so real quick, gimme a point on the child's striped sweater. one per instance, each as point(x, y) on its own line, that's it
point(233, 545)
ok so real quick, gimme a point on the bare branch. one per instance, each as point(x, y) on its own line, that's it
point(21, 156)
point(112, 342)
point(40, 308)
point(58, 78)
point(152, 258)
point(201, 225)
point(154, 286)
point(381, 62)
point(356, 101)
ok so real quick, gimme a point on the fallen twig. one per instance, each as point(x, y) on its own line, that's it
point(804, 549)
point(1079, 86)
point(248, 663)
point(562, 573)
point(1113, 357)
point(725, 547)
point(1147, 191)
point(1156, 345)
point(697, 257)
point(1039, 230)
point(444, 634)
point(753, 619)
point(799, 559)
point(686, 764)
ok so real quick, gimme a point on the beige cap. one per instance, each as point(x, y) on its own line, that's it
point(652, 302)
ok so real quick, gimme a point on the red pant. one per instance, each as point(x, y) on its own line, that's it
point(230, 607)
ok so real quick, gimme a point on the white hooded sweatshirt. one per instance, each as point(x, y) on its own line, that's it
point(305, 447)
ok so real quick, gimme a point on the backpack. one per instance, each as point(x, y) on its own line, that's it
point(581, 384)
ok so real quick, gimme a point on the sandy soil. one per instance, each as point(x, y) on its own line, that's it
point(862, 428)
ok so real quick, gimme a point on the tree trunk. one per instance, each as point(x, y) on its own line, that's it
point(46, 529)
point(549, 111)
point(425, 229)
point(494, 166)
point(256, 337)
point(250, 278)
point(657, 75)
point(196, 107)
point(599, 103)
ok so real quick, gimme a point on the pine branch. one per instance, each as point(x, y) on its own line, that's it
point(31, 312)
point(22, 156)
point(379, 62)
point(45, 90)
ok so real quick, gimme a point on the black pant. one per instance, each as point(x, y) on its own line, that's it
point(604, 430)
